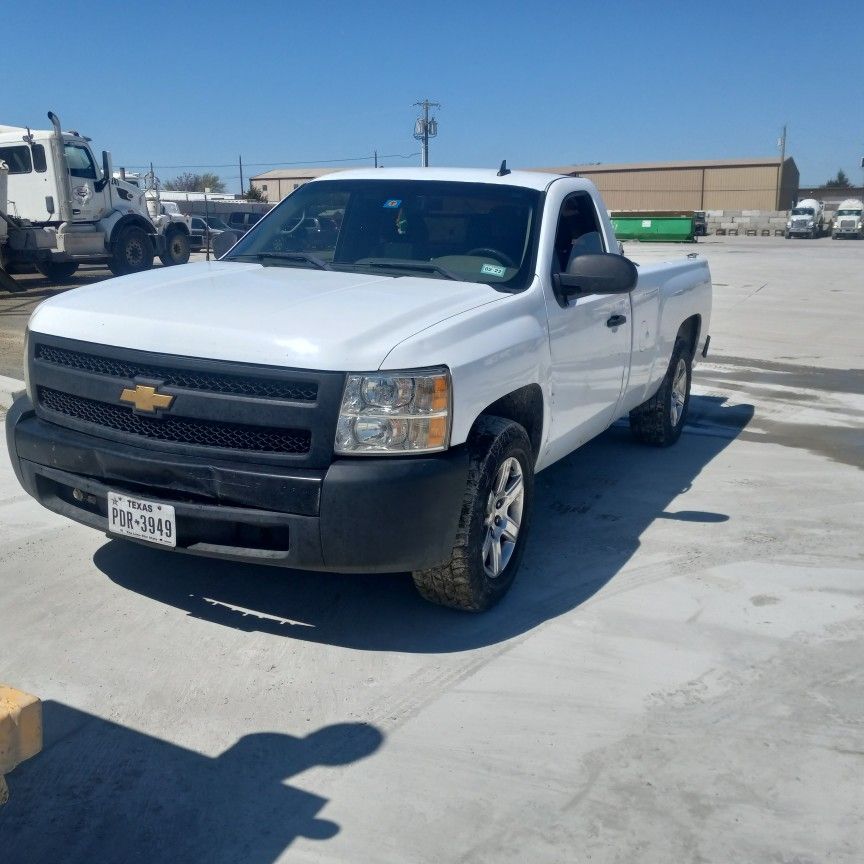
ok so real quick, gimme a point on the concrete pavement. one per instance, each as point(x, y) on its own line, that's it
point(676, 675)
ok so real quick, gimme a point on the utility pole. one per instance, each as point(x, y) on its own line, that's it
point(425, 127)
point(376, 158)
point(782, 144)
point(242, 188)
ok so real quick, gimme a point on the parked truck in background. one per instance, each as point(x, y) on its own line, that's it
point(63, 209)
point(849, 219)
point(806, 219)
point(379, 402)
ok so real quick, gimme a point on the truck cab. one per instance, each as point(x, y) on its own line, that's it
point(849, 219)
point(806, 219)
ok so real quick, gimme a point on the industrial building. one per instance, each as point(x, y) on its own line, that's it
point(719, 184)
point(279, 182)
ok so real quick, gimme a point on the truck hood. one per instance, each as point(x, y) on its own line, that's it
point(276, 316)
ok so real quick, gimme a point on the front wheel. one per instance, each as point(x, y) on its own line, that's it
point(57, 271)
point(176, 249)
point(660, 419)
point(493, 523)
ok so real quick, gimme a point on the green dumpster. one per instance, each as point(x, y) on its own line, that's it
point(654, 227)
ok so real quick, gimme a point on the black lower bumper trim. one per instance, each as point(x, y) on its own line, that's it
point(361, 515)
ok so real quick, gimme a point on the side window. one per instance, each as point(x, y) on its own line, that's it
point(80, 162)
point(578, 230)
point(17, 159)
point(39, 162)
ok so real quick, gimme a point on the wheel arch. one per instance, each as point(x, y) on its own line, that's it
point(131, 220)
point(524, 406)
point(690, 331)
point(178, 226)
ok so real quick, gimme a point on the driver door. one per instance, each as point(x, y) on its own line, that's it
point(88, 204)
point(589, 336)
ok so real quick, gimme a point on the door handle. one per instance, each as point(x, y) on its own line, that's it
point(616, 321)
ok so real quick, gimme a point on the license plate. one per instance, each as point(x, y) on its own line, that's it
point(142, 520)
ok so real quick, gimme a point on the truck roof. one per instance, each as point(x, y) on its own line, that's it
point(526, 179)
point(16, 134)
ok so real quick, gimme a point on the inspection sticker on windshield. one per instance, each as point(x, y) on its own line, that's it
point(392, 203)
point(493, 270)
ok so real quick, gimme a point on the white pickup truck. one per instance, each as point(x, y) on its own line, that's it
point(379, 404)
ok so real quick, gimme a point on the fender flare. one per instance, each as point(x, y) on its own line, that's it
point(132, 219)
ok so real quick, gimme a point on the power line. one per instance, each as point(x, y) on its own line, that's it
point(285, 164)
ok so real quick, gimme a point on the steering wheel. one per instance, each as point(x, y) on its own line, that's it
point(489, 252)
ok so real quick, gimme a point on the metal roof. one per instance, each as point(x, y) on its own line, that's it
point(660, 166)
point(293, 173)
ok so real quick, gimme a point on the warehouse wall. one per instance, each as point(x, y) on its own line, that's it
point(720, 187)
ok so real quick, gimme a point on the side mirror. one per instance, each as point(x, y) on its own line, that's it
point(99, 185)
point(597, 274)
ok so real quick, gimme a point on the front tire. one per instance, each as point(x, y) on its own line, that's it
point(493, 524)
point(659, 420)
point(133, 252)
point(176, 249)
point(57, 271)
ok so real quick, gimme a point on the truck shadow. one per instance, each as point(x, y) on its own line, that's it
point(100, 791)
point(590, 511)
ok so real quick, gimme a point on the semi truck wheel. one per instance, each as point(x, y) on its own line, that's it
point(57, 271)
point(493, 523)
point(660, 419)
point(133, 252)
point(176, 249)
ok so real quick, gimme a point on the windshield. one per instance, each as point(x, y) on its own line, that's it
point(474, 232)
point(217, 224)
point(848, 212)
point(802, 211)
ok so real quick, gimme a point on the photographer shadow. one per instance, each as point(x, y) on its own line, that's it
point(100, 791)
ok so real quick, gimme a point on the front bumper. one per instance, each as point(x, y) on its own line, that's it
point(358, 515)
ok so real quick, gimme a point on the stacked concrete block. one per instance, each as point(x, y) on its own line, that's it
point(743, 221)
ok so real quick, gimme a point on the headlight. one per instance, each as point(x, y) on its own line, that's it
point(395, 412)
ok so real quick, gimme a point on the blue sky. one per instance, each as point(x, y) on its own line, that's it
point(547, 83)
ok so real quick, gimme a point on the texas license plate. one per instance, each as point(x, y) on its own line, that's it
point(142, 520)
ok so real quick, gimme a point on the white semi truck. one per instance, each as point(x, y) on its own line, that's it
point(62, 209)
point(848, 221)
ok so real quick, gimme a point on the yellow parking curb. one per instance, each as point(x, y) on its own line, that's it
point(20, 731)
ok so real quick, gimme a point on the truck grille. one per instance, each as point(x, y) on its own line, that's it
point(848, 223)
point(262, 388)
point(221, 409)
point(232, 436)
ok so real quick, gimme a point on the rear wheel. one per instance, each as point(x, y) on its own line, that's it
point(660, 419)
point(133, 252)
point(57, 271)
point(493, 524)
point(176, 248)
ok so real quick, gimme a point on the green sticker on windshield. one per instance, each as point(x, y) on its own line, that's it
point(493, 270)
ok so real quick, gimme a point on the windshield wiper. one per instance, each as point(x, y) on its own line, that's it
point(304, 257)
point(425, 266)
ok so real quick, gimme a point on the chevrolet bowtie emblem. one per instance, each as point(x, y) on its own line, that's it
point(146, 399)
